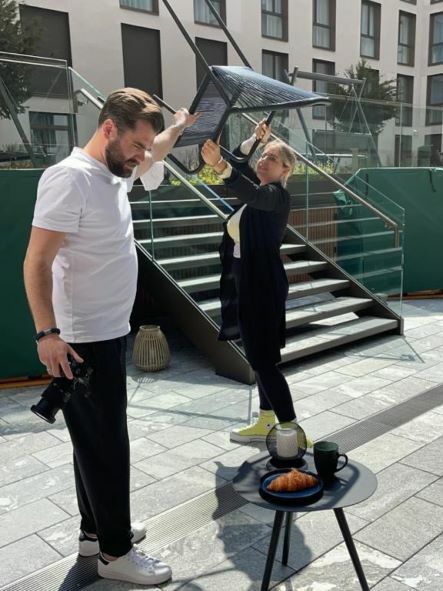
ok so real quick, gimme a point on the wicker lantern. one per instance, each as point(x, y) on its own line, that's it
point(151, 351)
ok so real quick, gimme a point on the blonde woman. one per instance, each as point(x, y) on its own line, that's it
point(253, 285)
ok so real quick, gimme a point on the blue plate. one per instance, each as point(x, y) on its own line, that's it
point(300, 497)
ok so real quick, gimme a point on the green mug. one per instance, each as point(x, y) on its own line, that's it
point(326, 456)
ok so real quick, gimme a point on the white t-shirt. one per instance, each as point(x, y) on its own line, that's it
point(95, 270)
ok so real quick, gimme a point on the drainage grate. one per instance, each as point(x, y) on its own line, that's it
point(72, 574)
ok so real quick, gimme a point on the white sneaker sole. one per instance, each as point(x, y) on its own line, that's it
point(104, 572)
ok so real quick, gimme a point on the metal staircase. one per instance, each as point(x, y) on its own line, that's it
point(178, 252)
point(342, 254)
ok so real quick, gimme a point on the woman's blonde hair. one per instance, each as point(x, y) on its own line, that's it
point(287, 156)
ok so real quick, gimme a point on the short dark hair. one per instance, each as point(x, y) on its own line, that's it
point(126, 106)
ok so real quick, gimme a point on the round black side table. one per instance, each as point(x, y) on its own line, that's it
point(352, 485)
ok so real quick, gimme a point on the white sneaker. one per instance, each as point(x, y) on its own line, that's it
point(89, 546)
point(135, 567)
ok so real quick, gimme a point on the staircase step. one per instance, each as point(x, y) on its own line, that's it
point(307, 288)
point(193, 239)
point(174, 263)
point(313, 313)
point(173, 222)
point(329, 337)
point(207, 282)
point(299, 267)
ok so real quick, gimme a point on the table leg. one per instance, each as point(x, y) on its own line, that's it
point(339, 514)
point(278, 520)
point(287, 538)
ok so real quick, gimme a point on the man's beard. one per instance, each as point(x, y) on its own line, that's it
point(116, 162)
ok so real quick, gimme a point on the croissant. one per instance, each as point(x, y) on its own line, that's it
point(292, 481)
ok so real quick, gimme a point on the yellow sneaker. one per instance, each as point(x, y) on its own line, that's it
point(257, 431)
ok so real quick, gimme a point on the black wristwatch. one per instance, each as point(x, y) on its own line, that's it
point(44, 333)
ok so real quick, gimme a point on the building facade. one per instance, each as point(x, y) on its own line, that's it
point(136, 43)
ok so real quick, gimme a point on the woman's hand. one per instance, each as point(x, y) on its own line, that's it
point(263, 131)
point(211, 153)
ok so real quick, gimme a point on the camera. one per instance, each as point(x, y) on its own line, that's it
point(60, 390)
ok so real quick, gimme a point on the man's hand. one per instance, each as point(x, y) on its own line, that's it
point(184, 119)
point(53, 352)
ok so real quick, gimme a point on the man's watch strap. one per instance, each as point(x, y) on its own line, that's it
point(45, 333)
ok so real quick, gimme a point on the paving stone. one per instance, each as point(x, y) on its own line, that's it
point(424, 428)
point(424, 571)
point(16, 469)
point(356, 387)
point(390, 584)
point(63, 537)
point(24, 444)
point(213, 544)
point(38, 555)
point(335, 571)
point(240, 572)
point(226, 465)
point(366, 366)
point(433, 493)
point(311, 536)
point(415, 384)
point(178, 459)
point(35, 487)
point(396, 372)
point(143, 448)
point(429, 458)
point(178, 435)
point(384, 451)
point(160, 496)
point(395, 484)
point(27, 520)
point(66, 500)
point(58, 455)
point(365, 406)
point(317, 403)
point(325, 423)
point(400, 533)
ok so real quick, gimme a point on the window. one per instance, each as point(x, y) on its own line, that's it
point(139, 43)
point(143, 5)
point(434, 142)
point(405, 94)
point(53, 40)
point(412, 1)
point(214, 52)
point(406, 39)
point(51, 134)
point(436, 1)
point(274, 19)
point(275, 65)
point(370, 30)
point(204, 16)
point(322, 87)
point(323, 30)
point(434, 99)
point(436, 39)
point(403, 150)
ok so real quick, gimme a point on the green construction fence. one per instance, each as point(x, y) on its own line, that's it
point(18, 355)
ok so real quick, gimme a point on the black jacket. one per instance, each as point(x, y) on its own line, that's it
point(259, 308)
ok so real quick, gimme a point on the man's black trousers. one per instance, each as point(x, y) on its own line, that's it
point(98, 428)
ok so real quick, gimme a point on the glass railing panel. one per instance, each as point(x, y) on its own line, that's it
point(357, 226)
point(37, 128)
point(182, 230)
